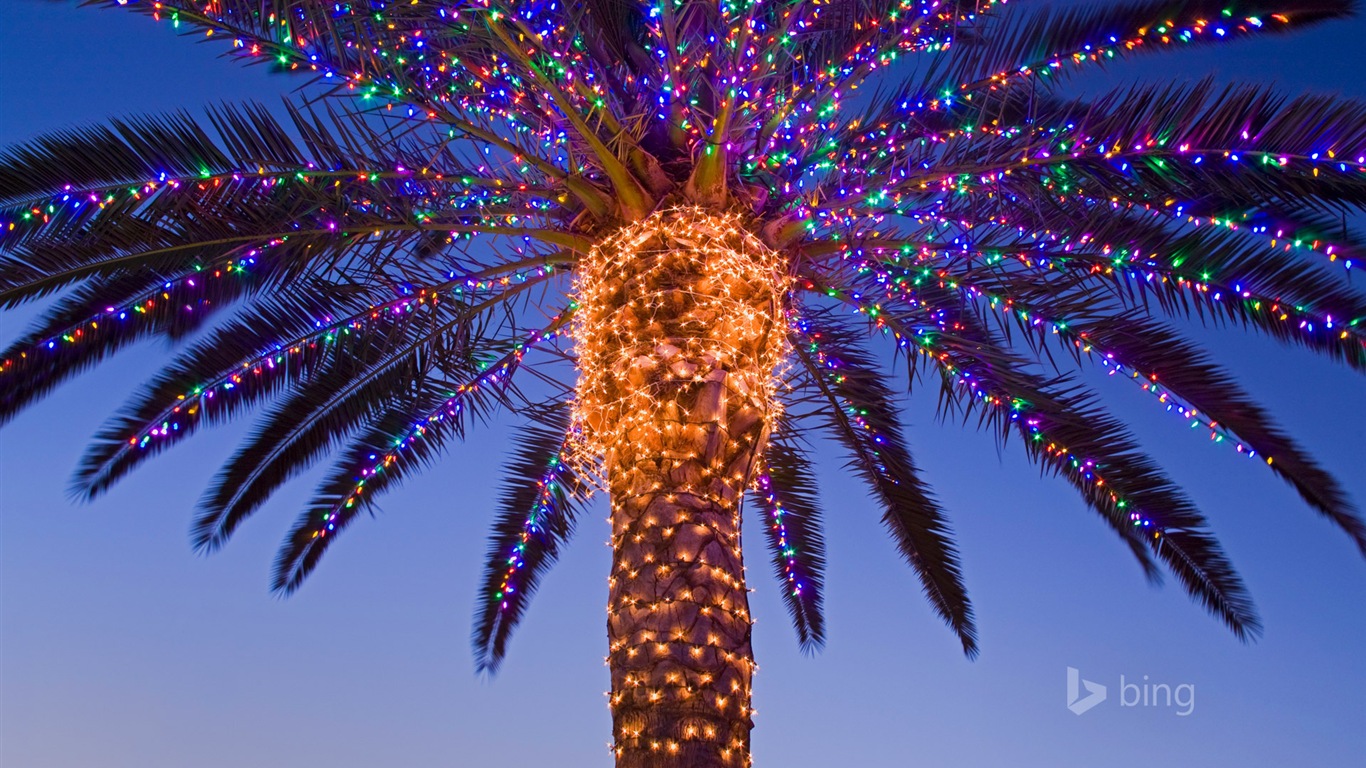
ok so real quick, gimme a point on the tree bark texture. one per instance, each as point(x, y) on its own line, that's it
point(682, 333)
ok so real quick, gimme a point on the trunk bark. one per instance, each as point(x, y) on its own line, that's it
point(679, 334)
point(678, 616)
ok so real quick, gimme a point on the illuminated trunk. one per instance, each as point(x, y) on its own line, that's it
point(678, 612)
point(679, 335)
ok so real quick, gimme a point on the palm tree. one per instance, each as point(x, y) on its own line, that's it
point(665, 234)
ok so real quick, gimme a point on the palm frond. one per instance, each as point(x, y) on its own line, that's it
point(1064, 430)
point(252, 357)
point(1132, 342)
point(536, 516)
point(109, 313)
point(862, 417)
point(1046, 42)
point(304, 426)
point(787, 495)
point(403, 440)
point(1179, 366)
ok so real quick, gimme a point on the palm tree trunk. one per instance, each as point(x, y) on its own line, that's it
point(679, 334)
point(678, 616)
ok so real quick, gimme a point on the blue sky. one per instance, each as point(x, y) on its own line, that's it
point(121, 647)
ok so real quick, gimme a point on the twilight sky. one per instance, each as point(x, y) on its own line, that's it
point(119, 647)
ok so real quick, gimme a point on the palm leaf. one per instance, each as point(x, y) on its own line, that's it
point(405, 439)
point(537, 512)
point(1186, 371)
point(786, 492)
point(1067, 434)
point(1030, 41)
point(302, 428)
point(862, 417)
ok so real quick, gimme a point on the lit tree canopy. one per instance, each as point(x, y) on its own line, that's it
point(386, 258)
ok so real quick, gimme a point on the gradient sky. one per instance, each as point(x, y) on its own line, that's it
point(119, 647)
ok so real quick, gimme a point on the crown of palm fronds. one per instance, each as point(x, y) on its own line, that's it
point(377, 259)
